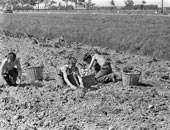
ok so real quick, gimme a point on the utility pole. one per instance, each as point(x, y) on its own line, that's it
point(38, 5)
point(66, 5)
point(162, 10)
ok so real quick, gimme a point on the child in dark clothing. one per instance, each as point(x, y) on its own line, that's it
point(103, 70)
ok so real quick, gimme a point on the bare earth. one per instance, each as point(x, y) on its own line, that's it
point(44, 106)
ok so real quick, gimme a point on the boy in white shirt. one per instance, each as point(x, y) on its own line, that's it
point(10, 70)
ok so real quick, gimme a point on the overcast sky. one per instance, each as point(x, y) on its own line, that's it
point(121, 2)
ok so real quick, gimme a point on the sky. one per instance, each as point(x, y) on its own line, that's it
point(121, 2)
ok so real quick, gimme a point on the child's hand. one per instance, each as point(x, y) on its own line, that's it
point(73, 87)
point(81, 86)
point(86, 69)
point(5, 83)
point(18, 81)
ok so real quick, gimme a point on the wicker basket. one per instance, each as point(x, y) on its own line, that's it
point(131, 78)
point(34, 73)
point(89, 80)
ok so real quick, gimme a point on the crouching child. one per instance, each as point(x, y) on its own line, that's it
point(10, 70)
point(69, 74)
point(101, 67)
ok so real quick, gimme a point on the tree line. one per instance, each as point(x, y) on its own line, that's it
point(129, 4)
point(33, 2)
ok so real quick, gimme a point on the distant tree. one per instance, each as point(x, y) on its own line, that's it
point(90, 4)
point(143, 4)
point(2, 2)
point(13, 2)
point(129, 3)
point(151, 7)
point(22, 2)
point(28, 2)
point(66, 1)
point(75, 1)
point(33, 2)
point(47, 3)
point(112, 2)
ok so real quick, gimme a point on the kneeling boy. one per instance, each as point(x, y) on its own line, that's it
point(102, 67)
point(70, 74)
point(10, 70)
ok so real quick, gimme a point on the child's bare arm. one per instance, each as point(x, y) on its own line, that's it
point(81, 81)
point(92, 61)
point(66, 79)
point(2, 67)
point(79, 78)
point(19, 68)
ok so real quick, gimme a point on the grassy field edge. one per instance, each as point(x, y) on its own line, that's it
point(139, 34)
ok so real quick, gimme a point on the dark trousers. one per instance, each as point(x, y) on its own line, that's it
point(105, 74)
point(11, 77)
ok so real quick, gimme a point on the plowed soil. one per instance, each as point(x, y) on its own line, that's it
point(43, 105)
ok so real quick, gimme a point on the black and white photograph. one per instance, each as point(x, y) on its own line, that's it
point(84, 64)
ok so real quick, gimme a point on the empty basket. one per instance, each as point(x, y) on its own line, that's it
point(35, 73)
point(131, 78)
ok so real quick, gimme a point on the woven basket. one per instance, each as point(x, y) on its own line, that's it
point(131, 78)
point(34, 73)
point(89, 80)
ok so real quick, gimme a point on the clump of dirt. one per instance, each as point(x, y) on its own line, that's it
point(43, 105)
